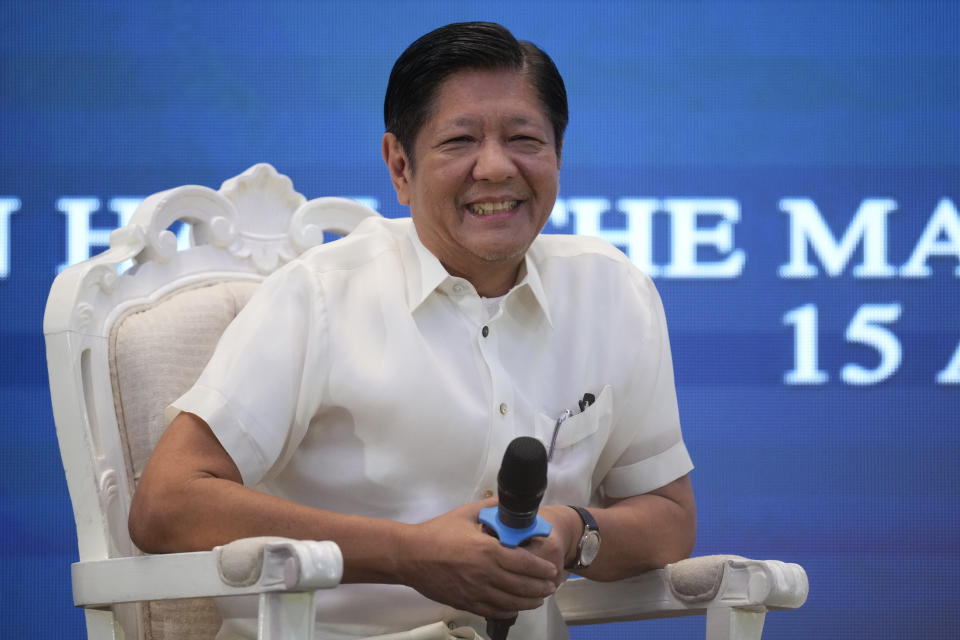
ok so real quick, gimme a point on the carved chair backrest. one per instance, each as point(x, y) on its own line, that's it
point(121, 346)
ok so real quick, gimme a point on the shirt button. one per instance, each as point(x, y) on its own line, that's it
point(504, 408)
point(485, 331)
point(486, 494)
point(458, 288)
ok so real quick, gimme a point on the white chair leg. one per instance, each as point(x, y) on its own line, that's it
point(102, 625)
point(287, 616)
point(730, 623)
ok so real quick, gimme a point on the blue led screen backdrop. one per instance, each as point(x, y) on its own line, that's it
point(787, 172)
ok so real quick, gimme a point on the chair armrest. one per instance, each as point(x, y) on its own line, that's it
point(688, 587)
point(247, 566)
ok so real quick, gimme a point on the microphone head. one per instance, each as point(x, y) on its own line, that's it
point(522, 481)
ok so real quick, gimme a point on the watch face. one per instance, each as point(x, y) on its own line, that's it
point(589, 547)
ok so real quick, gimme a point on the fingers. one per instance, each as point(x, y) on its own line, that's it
point(499, 593)
point(516, 571)
point(525, 593)
point(451, 560)
point(548, 553)
point(501, 605)
point(476, 573)
point(561, 543)
point(528, 561)
point(475, 582)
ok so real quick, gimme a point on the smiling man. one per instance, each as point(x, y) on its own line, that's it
point(367, 392)
point(487, 175)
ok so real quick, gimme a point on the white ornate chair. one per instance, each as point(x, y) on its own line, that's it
point(121, 346)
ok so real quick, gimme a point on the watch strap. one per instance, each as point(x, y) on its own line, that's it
point(589, 524)
point(586, 516)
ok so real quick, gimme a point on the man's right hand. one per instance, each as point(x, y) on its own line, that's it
point(451, 560)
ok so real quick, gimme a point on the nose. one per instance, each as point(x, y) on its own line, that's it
point(493, 162)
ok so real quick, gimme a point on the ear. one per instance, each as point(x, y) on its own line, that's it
point(398, 166)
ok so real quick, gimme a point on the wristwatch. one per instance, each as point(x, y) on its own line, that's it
point(589, 545)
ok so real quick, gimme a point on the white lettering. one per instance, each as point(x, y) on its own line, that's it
point(639, 212)
point(805, 348)
point(558, 215)
point(636, 237)
point(864, 329)
point(808, 228)
point(944, 221)
point(687, 235)
point(7, 207)
point(586, 218)
point(79, 234)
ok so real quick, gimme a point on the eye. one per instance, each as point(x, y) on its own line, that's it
point(527, 143)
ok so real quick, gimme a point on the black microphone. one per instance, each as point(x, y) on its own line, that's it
point(521, 483)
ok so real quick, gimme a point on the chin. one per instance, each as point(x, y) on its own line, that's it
point(500, 249)
point(500, 255)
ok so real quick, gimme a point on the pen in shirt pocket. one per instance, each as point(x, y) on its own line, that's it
point(587, 400)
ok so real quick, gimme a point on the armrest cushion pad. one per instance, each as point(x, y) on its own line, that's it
point(240, 562)
point(698, 579)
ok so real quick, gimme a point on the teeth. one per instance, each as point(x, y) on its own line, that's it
point(483, 208)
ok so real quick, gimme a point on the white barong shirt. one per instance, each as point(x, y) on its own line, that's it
point(362, 378)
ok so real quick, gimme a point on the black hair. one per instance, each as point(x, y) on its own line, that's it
point(462, 46)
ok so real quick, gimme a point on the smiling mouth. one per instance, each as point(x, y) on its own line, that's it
point(487, 208)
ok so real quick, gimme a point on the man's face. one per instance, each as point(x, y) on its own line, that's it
point(486, 174)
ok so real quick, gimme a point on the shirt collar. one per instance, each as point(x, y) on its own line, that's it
point(529, 278)
point(432, 275)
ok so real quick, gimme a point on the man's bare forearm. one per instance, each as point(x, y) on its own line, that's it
point(200, 503)
point(639, 533)
point(191, 497)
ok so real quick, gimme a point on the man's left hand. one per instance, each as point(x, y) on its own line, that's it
point(559, 548)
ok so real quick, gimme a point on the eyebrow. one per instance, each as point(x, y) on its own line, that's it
point(464, 121)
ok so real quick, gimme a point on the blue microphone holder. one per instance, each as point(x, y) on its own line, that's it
point(510, 537)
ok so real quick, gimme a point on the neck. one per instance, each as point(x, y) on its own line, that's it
point(491, 280)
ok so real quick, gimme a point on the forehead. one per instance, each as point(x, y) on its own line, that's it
point(474, 95)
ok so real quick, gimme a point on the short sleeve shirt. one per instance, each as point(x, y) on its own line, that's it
point(362, 378)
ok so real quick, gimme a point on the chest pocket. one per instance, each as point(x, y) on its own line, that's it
point(580, 440)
